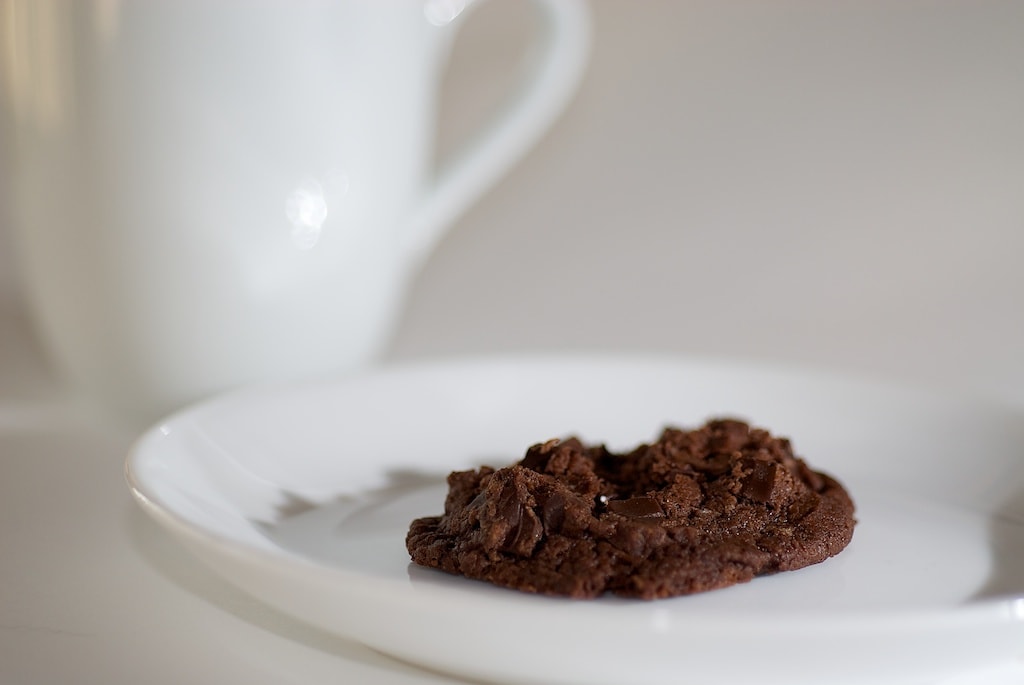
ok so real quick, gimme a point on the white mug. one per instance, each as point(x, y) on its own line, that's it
point(218, 192)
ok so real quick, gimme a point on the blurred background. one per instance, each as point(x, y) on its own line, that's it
point(838, 184)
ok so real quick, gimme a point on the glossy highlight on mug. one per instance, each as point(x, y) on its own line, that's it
point(443, 12)
point(306, 209)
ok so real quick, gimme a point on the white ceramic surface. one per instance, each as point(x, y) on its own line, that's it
point(302, 494)
point(215, 193)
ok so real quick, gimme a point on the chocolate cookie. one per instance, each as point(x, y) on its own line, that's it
point(694, 511)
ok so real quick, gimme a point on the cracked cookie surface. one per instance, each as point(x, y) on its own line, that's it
point(693, 511)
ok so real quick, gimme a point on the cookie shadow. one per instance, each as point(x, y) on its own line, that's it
point(397, 482)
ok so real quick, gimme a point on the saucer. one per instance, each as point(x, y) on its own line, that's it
point(302, 494)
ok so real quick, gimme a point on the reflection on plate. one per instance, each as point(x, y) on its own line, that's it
point(302, 496)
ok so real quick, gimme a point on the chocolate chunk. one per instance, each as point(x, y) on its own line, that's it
point(537, 457)
point(728, 435)
point(552, 510)
point(758, 485)
point(524, 535)
point(636, 508)
point(694, 511)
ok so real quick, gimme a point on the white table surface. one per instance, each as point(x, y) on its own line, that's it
point(839, 184)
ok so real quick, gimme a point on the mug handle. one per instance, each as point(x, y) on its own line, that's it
point(564, 48)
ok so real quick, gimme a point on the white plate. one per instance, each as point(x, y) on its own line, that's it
point(302, 496)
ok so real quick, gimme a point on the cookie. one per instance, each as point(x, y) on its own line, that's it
point(694, 511)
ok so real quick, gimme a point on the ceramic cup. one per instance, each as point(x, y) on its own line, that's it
point(214, 193)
